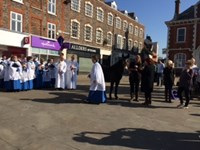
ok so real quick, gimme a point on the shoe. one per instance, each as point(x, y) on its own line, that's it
point(185, 107)
point(180, 106)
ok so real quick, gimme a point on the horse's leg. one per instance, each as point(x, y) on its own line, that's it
point(111, 89)
point(116, 89)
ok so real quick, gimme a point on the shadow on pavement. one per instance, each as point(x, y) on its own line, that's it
point(142, 139)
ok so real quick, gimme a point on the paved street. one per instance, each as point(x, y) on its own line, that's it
point(59, 120)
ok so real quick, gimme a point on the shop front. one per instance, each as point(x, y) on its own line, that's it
point(83, 54)
point(12, 43)
point(44, 48)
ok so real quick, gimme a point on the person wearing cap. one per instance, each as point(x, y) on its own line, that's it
point(185, 84)
point(168, 77)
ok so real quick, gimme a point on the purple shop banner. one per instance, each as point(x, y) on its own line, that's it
point(44, 43)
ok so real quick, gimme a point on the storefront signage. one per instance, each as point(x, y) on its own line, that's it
point(26, 40)
point(82, 48)
point(39, 42)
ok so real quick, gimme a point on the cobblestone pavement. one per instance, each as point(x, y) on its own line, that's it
point(59, 120)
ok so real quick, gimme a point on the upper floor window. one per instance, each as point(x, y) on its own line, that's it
point(124, 43)
point(136, 31)
point(125, 25)
point(130, 44)
point(110, 19)
point(181, 34)
point(119, 42)
point(118, 23)
point(19, 1)
point(88, 9)
point(130, 28)
point(52, 7)
point(179, 60)
point(16, 22)
point(109, 39)
point(100, 14)
point(88, 33)
point(140, 46)
point(76, 5)
point(135, 44)
point(75, 29)
point(99, 36)
point(51, 30)
point(141, 33)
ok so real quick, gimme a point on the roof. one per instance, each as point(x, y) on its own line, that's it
point(187, 14)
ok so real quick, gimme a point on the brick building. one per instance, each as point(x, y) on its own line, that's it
point(88, 27)
point(184, 35)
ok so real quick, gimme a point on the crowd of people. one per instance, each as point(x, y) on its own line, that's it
point(27, 73)
point(149, 72)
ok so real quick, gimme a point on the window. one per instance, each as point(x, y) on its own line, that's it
point(179, 60)
point(88, 9)
point(140, 46)
point(136, 31)
point(99, 36)
point(75, 28)
point(75, 5)
point(51, 30)
point(141, 33)
point(124, 43)
point(88, 33)
point(109, 39)
point(16, 22)
point(130, 44)
point(52, 7)
point(125, 25)
point(119, 42)
point(110, 19)
point(181, 34)
point(135, 44)
point(100, 14)
point(130, 28)
point(118, 23)
point(19, 1)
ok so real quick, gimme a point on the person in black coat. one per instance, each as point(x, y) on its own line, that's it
point(168, 76)
point(148, 79)
point(135, 77)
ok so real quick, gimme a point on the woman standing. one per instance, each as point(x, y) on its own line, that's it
point(168, 74)
point(148, 79)
point(97, 93)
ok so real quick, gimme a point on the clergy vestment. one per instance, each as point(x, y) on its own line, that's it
point(97, 93)
point(60, 74)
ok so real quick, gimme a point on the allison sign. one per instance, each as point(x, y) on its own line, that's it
point(43, 43)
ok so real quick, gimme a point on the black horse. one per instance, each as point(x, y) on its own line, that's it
point(114, 73)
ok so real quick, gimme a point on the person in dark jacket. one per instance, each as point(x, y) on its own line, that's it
point(185, 84)
point(168, 76)
point(148, 79)
point(135, 77)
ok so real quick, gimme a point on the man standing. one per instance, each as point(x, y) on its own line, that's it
point(160, 69)
point(71, 74)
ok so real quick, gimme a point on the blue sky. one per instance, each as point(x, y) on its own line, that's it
point(153, 14)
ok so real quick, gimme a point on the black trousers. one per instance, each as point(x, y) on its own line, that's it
point(134, 88)
point(187, 93)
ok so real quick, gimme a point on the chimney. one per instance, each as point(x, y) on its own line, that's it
point(177, 8)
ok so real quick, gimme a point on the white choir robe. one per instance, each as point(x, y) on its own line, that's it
point(15, 75)
point(2, 70)
point(60, 75)
point(24, 80)
point(31, 73)
point(97, 92)
point(71, 74)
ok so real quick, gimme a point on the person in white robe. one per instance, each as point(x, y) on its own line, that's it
point(30, 71)
point(60, 73)
point(2, 71)
point(71, 73)
point(97, 93)
point(15, 70)
point(24, 77)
